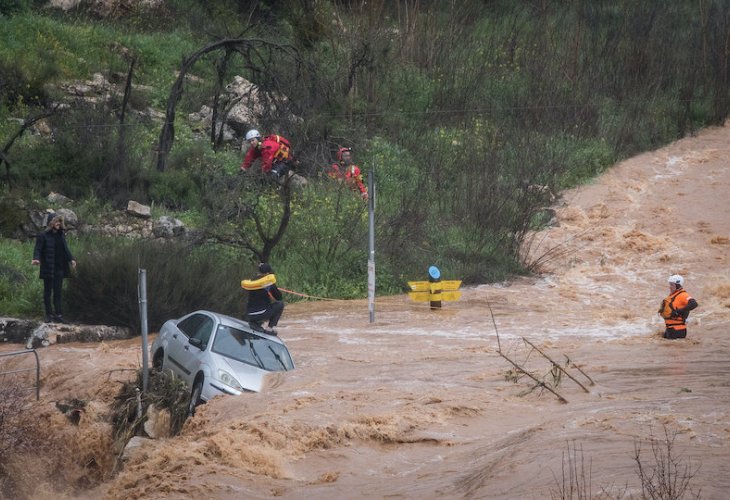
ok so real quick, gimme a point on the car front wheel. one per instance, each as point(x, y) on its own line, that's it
point(157, 360)
point(195, 396)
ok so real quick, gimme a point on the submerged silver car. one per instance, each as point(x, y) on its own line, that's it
point(217, 354)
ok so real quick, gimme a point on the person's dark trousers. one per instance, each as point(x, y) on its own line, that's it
point(53, 286)
point(671, 333)
point(272, 313)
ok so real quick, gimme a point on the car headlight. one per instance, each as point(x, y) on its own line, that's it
point(229, 380)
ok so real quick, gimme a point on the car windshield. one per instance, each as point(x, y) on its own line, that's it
point(252, 349)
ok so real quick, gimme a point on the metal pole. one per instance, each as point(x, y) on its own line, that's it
point(371, 244)
point(142, 292)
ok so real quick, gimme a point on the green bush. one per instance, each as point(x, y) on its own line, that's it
point(175, 189)
point(17, 88)
point(180, 279)
point(11, 7)
point(582, 159)
point(324, 252)
point(21, 292)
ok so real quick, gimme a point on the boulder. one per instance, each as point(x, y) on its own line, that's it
point(16, 330)
point(168, 227)
point(201, 123)
point(70, 220)
point(58, 198)
point(38, 220)
point(138, 210)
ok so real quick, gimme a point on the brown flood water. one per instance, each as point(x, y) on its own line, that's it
point(417, 404)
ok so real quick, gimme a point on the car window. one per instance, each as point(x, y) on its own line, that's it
point(190, 325)
point(252, 349)
point(203, 331)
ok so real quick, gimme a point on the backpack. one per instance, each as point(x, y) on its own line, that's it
point(283, 153)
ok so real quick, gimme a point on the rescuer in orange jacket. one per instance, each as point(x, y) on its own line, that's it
point(345, 169)
point(275, 153)
point(675, 309)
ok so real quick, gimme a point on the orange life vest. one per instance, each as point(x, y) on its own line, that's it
point(669, 307)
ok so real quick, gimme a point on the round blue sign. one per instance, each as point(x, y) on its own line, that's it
point(434, 272)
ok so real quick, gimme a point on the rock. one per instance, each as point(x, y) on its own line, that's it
point(16, 330)
point(70, 220)
point(154, 114)
point(168, 227)
point(244, 105)
point(58, 198)
point(295, 181)
point(64, 4)
point(88, 333)
point(39, 337)
point(35, 334)
point(38, 221)
point(138, 210)
point(205, 115)
point(43, 128)
point(203, 120)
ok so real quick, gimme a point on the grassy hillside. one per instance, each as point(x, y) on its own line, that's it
point(460, 112)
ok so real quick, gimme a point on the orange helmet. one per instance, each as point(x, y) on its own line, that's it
point(341, 151)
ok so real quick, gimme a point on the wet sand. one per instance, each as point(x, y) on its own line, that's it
point(419, 404)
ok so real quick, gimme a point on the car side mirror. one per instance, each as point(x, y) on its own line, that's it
point(196, 342)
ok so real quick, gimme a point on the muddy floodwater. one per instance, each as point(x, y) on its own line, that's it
point(420, 404)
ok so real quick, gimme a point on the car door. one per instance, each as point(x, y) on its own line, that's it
point(191, 357)
point(178, 347)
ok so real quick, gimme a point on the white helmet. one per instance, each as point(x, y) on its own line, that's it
point(253, 133)
point(676, 279)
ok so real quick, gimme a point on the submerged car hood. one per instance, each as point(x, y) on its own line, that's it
point(250, 377)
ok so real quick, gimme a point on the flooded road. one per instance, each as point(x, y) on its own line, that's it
point(420, 404)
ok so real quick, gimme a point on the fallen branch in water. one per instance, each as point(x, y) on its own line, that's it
point(555, 365)
point(539, 383)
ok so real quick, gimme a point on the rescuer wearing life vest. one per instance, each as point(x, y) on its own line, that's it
point(275, 153)
point(264, 300)
point(346, 170)
point(675, 309)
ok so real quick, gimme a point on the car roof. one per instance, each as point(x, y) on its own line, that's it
point(237, 323)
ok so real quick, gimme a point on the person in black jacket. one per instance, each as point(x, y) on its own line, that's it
point(264, 303)
point(51, 252)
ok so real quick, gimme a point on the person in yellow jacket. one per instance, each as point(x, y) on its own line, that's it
point(675, 308)
point(264, 300)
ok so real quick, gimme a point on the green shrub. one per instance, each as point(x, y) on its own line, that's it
point(12, 215)
point(175, 189)
point(11, 7)
point(582, 159)
point(180, 279)
point(16, 87)
point(21, 292)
